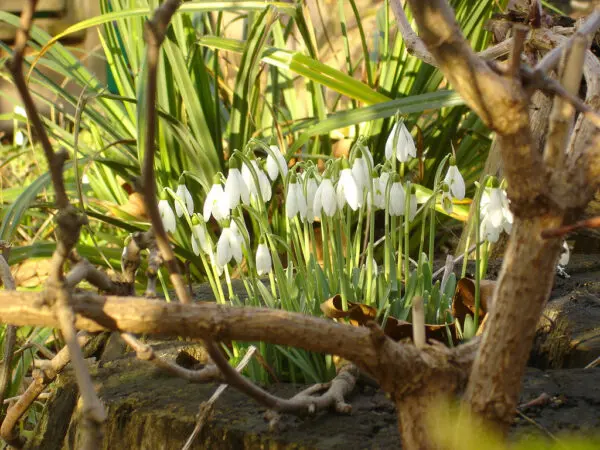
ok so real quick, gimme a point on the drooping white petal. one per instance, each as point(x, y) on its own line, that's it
point(295, 201)
point(325, 199)
point(397, 199)
point(360, 172)
point(236, 189)
point(455, 181)
point(235, 241)
point(216, 204)
point(263, 181)
point(167, 216)
point(184, 195)
point(311, 190)
point(224, 252)
point(19, 138)
point(20, 111)
point(263, 259)
point(405, 145)
point(200, 240)
point(277, 165)
point(495, 210)
point(347, 192)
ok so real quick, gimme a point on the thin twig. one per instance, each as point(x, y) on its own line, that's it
point(514, 63)
point(69, 222)
point(563, 112)
point(207, 407)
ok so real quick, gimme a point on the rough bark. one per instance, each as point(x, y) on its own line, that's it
point(523, 287)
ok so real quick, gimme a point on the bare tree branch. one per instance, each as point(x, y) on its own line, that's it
point(562, 115)
point(145, 352)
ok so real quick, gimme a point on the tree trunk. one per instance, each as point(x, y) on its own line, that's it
point(521, 293)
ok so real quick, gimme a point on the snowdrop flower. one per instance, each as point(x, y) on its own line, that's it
point(229, 246)
point(397, 198)
point(236, 189)
point(295, 202)
point(20, 111)
point(216, 203)
point(263, 259)
point(346, 190)
point(446, 198)
point(19, 138)
point(263, 181)
point(276, 165)
point(167, 215)
point(325, 199)
point(361, 172)
point(455, 181)
point(200, 239)
point(495, 213)
point(379, 188)
point(400, 143)
point(184, 194)
point(309, 192)
point(565, 255)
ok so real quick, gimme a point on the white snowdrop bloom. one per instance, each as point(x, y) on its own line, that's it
point(379, 187)
point(263, 259)
point(277, 165)
point(200, 240)
point(361, 173)
point(397, 199)
point(229, 246)
point(325, 199)
point(309, 191)
point(216, 204)
point(565, 255)
point(184, 194)
point(85, 179)
point(495, 214)
point(20, 111)
point(346, 190)
point(236, 189)
point(19, 138)
point(167, 216)
point(455, 182)
point(263, 182)
point(404, 147)
point(295, 202)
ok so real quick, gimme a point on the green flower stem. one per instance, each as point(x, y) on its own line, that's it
point(406, 248)
point(325, 248)
point(228, 281)
point(337, 238)
point(369, 299)
point(349, 247)
point(358, 234)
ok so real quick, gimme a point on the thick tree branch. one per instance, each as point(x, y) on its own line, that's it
point(499, 100)
point(205, 320)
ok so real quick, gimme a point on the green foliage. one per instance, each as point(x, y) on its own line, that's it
point(285, 96)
